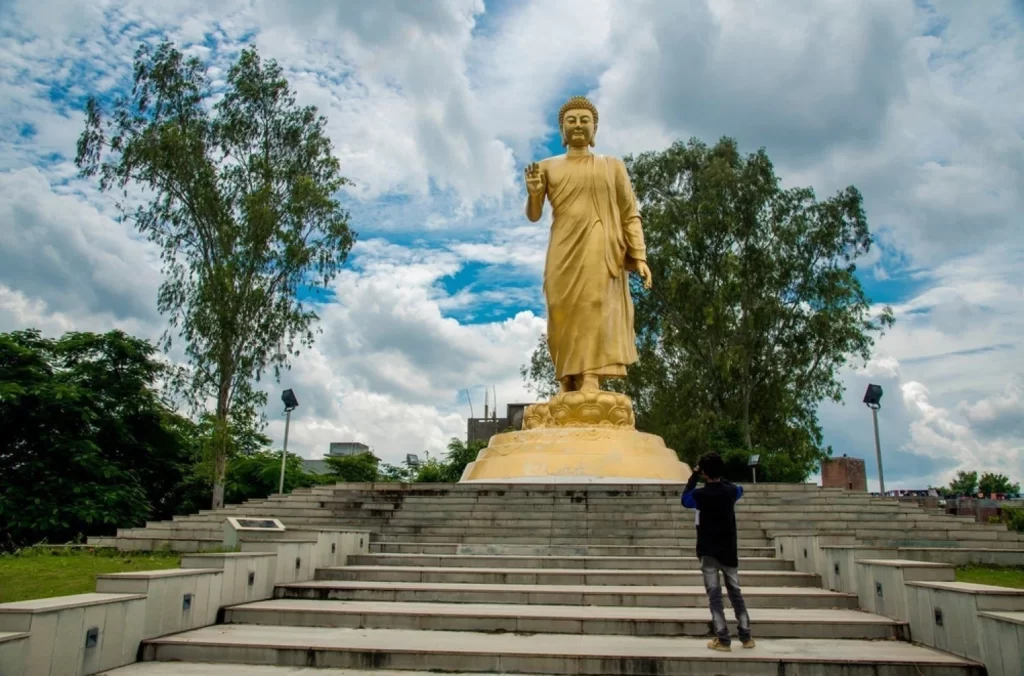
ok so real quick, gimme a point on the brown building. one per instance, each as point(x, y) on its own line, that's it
point(483, 429)
point(844, 472)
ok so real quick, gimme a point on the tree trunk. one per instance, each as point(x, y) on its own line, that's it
point(220, 443)
point(746, 419)
point(219, 470)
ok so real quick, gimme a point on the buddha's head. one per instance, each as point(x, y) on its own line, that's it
point(577, 121)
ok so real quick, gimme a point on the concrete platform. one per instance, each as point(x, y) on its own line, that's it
point(534, 549)
point(544, 653)
point(200, 669)
point(644, 563)
point(555, 576)
point(631, 621)
point(569, 595)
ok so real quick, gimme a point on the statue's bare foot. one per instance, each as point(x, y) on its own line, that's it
point(591, 383)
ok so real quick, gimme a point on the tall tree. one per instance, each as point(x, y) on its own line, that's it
point(755, 309)
point(239, 189)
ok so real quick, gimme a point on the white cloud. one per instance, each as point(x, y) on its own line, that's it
point(389, 367)
point(57, 250)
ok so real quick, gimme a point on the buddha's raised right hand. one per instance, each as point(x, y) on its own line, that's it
point(534, 180)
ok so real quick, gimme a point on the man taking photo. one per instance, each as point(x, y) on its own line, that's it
point(715, 505)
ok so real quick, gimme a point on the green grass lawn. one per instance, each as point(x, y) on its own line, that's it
point(42, 573)
point(1002, 577)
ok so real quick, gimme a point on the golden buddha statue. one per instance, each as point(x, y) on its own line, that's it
point(584, 434)
point(596, 239)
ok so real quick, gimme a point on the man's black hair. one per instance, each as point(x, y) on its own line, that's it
point(711, 465)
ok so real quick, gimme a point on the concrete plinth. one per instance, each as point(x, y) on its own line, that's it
point(553, 455)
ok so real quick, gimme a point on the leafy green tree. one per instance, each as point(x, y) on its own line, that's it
point(357, 468)
point(432, 470)
point(965, 483)
point(395, 473)
point(459, 455)
point(250, 476)
point(755, 307)
point(88, 443)
point(257, 475)
point(990, 483)
point(239, 198)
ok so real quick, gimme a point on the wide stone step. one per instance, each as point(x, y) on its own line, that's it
point(542, 653)
point(563, 562)
point(534, 549)
point(648, 520)
point(542, 538)
point(185, 545)
point(575, 530)
point(632, 621)
point(558, 595)
point(853, 529)
point(511, 489)
point(554, 576)
point(959, 556)
point(584, 501)
point(207, 669)
point(743, 506)
point(171, 533)
point(958, 543)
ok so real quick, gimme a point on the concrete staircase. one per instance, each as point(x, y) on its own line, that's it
point(529, 579)
point(637, 516)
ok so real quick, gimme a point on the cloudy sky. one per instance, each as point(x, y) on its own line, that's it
point(434, 107)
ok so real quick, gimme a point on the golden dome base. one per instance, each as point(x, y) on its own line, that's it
point(577, 455)
point(578, 437)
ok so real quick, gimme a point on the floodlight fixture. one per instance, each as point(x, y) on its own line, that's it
point(873, 396)
point(412, 460)
point(752, 464)
point(290, 402)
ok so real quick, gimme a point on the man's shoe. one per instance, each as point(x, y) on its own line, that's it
point(715, 644)
point(749, 644)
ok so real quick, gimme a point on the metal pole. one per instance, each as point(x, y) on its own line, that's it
point(755, 473)
point(284, 450)
point(878, 453)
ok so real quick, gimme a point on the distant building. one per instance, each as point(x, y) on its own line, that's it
point(341, 448)
point(845, 473)
point(337, 449)
point(482, 429)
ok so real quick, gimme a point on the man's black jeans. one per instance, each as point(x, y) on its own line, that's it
point(710, 567)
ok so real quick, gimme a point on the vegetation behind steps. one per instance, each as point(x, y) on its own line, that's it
point(91, 443)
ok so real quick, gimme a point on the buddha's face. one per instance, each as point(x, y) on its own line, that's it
point(578, 128)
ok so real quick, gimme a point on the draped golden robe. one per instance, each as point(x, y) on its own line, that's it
point(596, 238)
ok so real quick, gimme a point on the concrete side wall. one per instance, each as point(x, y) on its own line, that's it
point(57, 634)
point(1002, 644)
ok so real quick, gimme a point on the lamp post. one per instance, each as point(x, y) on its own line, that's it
point(290, 404)
point(873, 398)
point(753, 462)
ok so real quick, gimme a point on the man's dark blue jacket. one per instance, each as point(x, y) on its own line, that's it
point(715, 503)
